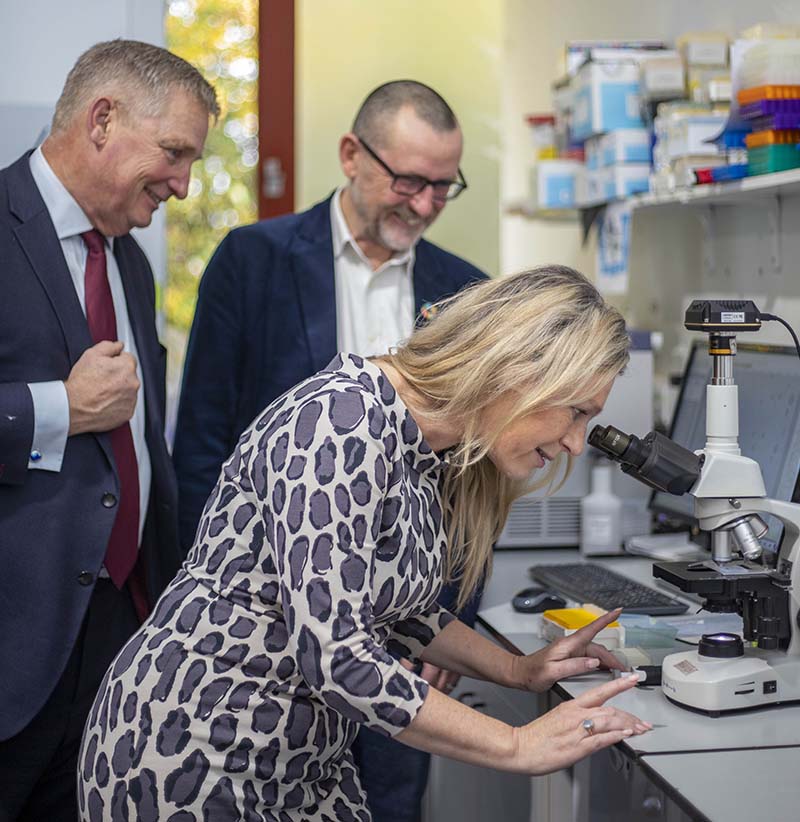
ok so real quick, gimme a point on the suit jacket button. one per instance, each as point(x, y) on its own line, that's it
point(109, 500)
point(86, 577)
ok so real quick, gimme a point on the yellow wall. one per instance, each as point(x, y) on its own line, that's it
point(345, 48)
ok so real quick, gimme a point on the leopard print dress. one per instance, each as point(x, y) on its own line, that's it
point(316, 565)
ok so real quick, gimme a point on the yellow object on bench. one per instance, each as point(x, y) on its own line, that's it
point(561, 622)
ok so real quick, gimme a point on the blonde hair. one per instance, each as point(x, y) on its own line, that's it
point(145, 73)
point(546, 334)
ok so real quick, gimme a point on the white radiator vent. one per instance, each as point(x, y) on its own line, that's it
point(550, 521)
point(535, 522)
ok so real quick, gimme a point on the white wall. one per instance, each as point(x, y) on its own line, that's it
point(345, 48)
point(41, 41)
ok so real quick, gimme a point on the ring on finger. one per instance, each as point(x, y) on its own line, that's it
point(588, 726)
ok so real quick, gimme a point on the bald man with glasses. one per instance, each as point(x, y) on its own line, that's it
point(281, 297)
point(410, 185)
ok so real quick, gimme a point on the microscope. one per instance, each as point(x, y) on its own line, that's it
point(725, 673)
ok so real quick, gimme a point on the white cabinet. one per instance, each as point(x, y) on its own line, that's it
point(610, 786)
point(466, 793)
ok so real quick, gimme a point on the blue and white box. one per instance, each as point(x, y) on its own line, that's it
point(606, 98)
point(554, 183)
point(624, 145)
point(625, 179)
point(592, 150)
point(595, 186)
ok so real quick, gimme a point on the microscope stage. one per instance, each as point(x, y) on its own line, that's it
point(708, 577)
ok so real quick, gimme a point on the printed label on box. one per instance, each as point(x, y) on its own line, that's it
point(613, 248)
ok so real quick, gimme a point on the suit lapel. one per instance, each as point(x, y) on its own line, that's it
point(427, 279)
point(37, 237)
point(311, 262)
point(138, 315)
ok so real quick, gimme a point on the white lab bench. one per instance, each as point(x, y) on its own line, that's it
point(690, 766)
point(736, 784)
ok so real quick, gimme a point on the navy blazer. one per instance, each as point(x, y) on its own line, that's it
point(265, 321)
point(54, 528)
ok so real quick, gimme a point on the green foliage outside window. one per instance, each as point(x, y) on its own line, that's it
point(220, 37)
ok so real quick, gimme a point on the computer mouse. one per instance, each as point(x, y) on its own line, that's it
point(535, 600)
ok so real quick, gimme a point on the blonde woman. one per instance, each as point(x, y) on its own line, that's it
point(318, 559)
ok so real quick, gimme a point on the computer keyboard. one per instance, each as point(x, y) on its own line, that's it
point(589, 582)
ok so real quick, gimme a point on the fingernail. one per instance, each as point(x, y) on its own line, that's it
point(627, 732)
point(592, 663)
point(633, 677)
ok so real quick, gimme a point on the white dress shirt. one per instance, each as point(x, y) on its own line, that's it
point(374, 309)
point(50, 403)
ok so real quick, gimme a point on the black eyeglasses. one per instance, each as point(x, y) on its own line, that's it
point(411, 184)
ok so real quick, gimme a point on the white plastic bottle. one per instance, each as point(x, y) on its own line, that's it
point(601, 514)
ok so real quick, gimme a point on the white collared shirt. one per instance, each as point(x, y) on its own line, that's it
point(50, 403)
point(374, 309)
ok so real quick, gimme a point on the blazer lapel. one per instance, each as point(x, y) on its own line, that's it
point(138, 315)
point(427, 280)
point(37, 237)
point(311, 262)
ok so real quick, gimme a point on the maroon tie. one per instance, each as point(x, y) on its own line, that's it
point(123, 543)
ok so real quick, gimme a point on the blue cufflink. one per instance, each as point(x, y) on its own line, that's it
point(36, 456)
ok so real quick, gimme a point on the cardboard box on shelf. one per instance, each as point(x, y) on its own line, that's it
point(553, 184)
point(595, 187)
point(625, 179)
point(616, 182)
point(606, 97)
point(703, 48)
point(690, 135)
point(662, 76)
point(578, 52)
point(624, 145)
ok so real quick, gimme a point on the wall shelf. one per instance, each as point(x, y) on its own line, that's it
point(733, 193)
point(522, 209)
point(736, 192)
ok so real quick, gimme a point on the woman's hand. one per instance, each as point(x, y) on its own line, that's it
point(576, 729)
point(574, 654)
point(438, 678)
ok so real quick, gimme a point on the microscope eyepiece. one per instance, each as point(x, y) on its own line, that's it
point(609, 440)
point(655, 460)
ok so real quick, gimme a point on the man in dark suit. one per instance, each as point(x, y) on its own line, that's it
point(88, 499)
point(281, 297)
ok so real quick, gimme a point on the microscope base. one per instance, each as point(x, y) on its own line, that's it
point(756, 679)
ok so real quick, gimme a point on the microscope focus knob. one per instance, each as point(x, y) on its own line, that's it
point(721, 646)
point(768, 628)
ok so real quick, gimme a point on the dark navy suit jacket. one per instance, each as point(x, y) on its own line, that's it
point(53, 526)
point(266, 320)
